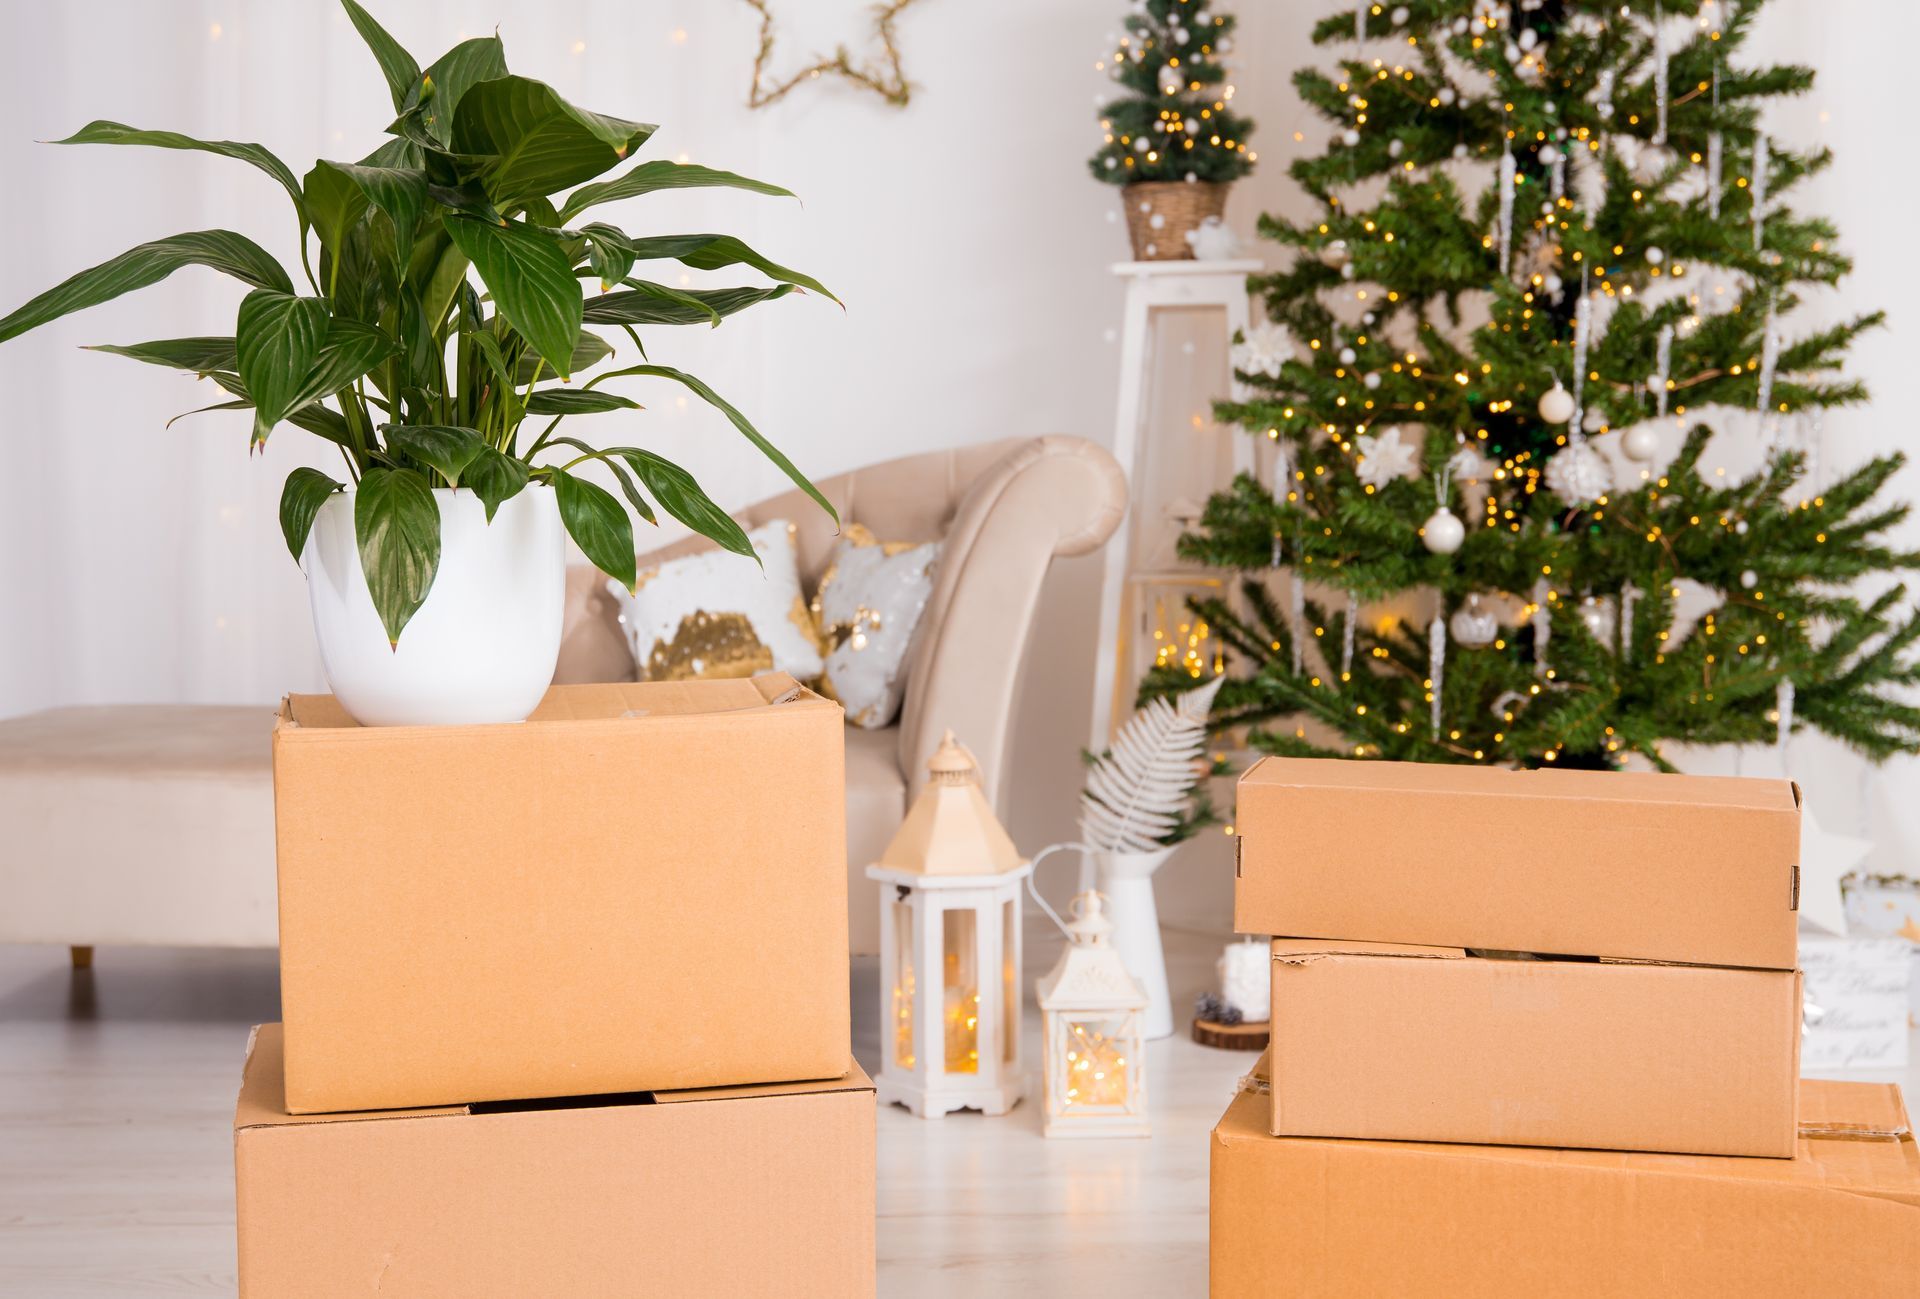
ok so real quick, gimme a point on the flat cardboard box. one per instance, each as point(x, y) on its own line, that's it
point(642, 887)
point(732, 1191)
point(1434, 1044)
point(1696, 869)
point(1310, 1218)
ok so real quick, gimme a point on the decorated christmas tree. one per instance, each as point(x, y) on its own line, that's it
point(1546, 481)
point(1175, 122)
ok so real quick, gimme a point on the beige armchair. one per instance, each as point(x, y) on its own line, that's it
point(1004, 510)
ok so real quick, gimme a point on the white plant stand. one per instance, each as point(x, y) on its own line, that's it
point(1151, 288)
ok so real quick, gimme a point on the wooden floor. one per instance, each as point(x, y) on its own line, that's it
point(116, 1099)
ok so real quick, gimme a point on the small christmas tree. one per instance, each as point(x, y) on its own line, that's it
point(1509, 431)
point(1175, 123)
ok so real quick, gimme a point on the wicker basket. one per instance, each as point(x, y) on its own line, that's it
point(1160, 212)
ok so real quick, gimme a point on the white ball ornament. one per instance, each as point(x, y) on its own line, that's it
point(1348, 356)
point(1529, 38)
point(1395, 148)
point(1655, 257)
point(1549, 154)
point(1740, 527)
point(1556, 404)
point(1398, 16)
point(1446, 94)
point(1594, 421)
point(1459, 150)
point(1579, 475)
point(1640, 443)
point(1349, 137)
point(1749, 579)
point(1443, 532)
point(1473, 624)
point(1170, 79)
point(1371, 380)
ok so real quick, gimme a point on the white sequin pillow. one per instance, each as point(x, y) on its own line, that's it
point(869, 603)
point(717, 614)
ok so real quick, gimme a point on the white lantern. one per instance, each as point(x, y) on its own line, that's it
point(1090, 1014)
point(950, 950)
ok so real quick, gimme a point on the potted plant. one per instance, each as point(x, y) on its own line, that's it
point(1173, 141)
point(436, 567)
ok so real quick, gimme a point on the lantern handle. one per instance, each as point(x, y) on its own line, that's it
point(1034, 874)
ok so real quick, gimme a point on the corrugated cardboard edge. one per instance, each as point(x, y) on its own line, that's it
point(263, 1079)
point(1304, 951)
point(1697, 788)
point(777, 690)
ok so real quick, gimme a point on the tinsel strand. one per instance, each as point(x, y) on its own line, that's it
point(1659, 76)
point(1662, 368)
point(1761, 161)
point(1347, 635)
point(1507, 173)
point(1436, 665)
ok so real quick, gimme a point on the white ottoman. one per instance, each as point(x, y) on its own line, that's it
point(148, 825)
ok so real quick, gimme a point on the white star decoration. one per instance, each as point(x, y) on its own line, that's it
point(1266, 348)
point(1824, 859)
point(1383, 457)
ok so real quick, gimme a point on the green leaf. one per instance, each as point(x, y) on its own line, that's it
point(489, 349)
point(620, 475)
point(647, 303)
point(597, 525)
point(300, 500)
point(495, 478)
point(401, 193)
point(680, 496)
point(468, 199)
point(577, 401)
point(279, 339)
point(445, 447)
point(738, 420)
point(321, 422)
point(531, 281)
point(711, 252)
point(105, 132)
point(660, 174)
point(588, 351)
point(611, 260)
point(397, 523)
point(535, 141)
point(223, 250)
point(349, 351)
point(396, 65)
point(453, 74)
point(201, 410)
point(200, 355)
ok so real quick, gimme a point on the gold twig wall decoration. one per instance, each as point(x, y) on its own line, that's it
point(884, 78)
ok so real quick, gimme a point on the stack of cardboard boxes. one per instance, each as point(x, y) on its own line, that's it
point(1584, 983)
point(565, 1006)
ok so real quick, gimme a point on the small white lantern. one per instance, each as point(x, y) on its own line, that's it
point(1090, 1008)
point(950, 950)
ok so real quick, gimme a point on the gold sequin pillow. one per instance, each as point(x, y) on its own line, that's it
point(717, 614)
point(869, 603)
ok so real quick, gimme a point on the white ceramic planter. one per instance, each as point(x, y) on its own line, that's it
point(482, 648)
point(1126, 878)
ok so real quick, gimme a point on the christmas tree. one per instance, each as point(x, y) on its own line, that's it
point(1175, 123)
point(1508, 518)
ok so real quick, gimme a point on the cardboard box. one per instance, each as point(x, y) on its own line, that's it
point(641, 887)
point(1434, 1044)
point(1309, 1218)
point(1696, 869)
point(734, 1191)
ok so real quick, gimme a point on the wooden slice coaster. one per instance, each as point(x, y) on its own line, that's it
point(1231, 1037)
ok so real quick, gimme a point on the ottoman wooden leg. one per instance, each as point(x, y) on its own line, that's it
point(82, 957)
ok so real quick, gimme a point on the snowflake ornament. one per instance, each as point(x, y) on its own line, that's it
point(1383, 457)
point(1579, 475)
point(1267, 347)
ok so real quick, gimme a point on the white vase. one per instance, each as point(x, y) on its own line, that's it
point(482, 648)
point(1126, 878)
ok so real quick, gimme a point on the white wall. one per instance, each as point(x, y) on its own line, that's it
point(138, 563)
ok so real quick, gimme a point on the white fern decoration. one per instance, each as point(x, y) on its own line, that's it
point(1138, 791)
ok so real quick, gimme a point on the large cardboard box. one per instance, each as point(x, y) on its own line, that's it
point(641, 887)
point(1435, 1044)
point(1696, 869)
point(1309, 1218)
point(741, 1191)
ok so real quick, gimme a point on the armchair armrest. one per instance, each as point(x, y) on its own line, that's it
point(1050, 496)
